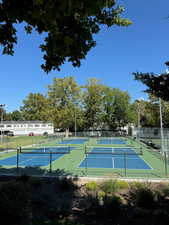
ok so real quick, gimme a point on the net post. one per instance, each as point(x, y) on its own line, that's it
point(85, 160)
point(141, 150)
point(17, 158)
point(50, 162)
point(125, 164)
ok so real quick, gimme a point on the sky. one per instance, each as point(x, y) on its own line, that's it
point(120, 51)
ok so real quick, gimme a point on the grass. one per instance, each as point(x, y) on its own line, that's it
point(70, 162)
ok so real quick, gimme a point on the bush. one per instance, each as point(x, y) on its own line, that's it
point(15, 203)
point(112, 205)
point(66, 184)
point(109, 186)
point(91, 186)
point(122, 185)
point(142, 197)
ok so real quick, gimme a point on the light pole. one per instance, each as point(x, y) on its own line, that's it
point(138, 119)
point(138, 116)
point(1, 107)
point(161, 127)
point(161, 116)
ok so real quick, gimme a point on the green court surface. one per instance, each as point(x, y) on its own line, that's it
point(60, 163)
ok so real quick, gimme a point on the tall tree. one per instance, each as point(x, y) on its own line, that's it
point(69, 26)
point(147, 113)
point(121, 106)
point(36, 107)
point(64, 97)
point(158, 85)
point(108, 109)
point(93, 103)
point(15, 115)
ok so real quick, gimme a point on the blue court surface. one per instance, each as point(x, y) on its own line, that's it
point(107, 158)
point(35, 159)
point(111, 141)
point(74, 141)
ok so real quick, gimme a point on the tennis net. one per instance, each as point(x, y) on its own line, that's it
point(47, 150)
point(113, 150)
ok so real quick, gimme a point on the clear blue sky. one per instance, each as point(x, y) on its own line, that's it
point(143, 47)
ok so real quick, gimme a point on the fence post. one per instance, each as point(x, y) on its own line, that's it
point(17, 159)
point(125, 164)
point(50, 155)
point(85, 160)
point(165, 162)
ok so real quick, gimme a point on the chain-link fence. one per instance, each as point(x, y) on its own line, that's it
point(108, 162)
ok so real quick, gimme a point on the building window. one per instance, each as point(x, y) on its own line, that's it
point(1, 125)
point(8, 125)
point(36, 125)
point(30, 125)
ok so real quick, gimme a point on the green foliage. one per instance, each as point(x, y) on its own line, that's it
point(105, 107)
point(43, 201)
point(142, 197)
point(122, 184)
point(69, 26)
point(15, 115)
point(64, 96)
point(36, 107)
point(158, 85)
point(115, 108)
point(112, 205)
point(109, 186)
point(136, 185)
point(93, 103)
point(91, 186)
point(92, 106)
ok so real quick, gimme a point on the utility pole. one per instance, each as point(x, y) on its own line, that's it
point(138, 117)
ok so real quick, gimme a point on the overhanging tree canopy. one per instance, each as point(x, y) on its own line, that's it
point(69, 26)
point(158, 85)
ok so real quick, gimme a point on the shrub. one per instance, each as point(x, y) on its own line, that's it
point(90, 204)
point(112, 205)
point(109, 186)
point(24, 178)
point(143, 197)
point(122, 184)
point(91, 186)
point(66, 184)
point(15, 203)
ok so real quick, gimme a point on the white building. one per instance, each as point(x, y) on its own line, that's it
point(27, 127)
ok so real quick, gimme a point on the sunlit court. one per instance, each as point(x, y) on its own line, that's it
point(115, 158)
point(36, 156)
point(87, 156)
